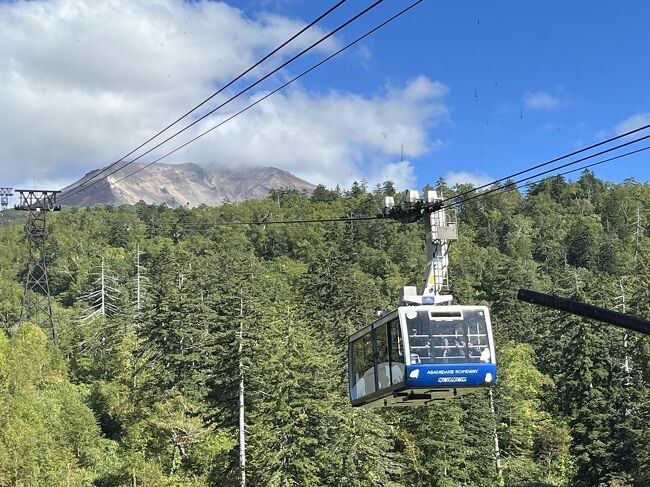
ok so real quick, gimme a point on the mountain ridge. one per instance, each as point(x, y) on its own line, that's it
point(186, 184)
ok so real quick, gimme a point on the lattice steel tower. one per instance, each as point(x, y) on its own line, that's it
point(37, 302)
point(5, 193)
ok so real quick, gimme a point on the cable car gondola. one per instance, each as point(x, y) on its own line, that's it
point(418, 354)
point(427, 349)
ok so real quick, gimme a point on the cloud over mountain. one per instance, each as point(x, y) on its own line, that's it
point(83, 82)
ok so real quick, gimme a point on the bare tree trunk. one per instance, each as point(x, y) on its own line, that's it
point(495, 434)
point(242, 422)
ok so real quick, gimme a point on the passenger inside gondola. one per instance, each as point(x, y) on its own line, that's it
point(445, 340)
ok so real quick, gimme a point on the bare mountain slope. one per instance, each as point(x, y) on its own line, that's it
point(184, 185)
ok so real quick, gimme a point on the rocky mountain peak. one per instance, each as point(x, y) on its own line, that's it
point(185, 184)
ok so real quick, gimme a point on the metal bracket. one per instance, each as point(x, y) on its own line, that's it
point(439, 230)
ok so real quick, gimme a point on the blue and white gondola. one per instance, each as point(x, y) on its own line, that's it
point(419, 354)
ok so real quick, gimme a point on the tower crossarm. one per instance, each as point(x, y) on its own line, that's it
point(37, 200)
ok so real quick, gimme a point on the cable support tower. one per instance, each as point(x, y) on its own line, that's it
point(5, 193)
point(232, 98)
point(37, 301)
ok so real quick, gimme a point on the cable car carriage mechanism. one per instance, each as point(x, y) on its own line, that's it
point(427, 349)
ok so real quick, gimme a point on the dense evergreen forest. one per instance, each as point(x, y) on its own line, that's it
point(146, 393)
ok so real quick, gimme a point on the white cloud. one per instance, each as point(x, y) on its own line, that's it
point(82, 82)
point(464, 177)
point(333, 139)
point(601, 134)
point(540, 101)
point(401, 173)
point(551, 127)
point(635, 121)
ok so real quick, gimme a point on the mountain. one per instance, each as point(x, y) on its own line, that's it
point(183, 184)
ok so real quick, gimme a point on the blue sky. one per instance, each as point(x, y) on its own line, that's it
point(590, 58)
point(474, 90)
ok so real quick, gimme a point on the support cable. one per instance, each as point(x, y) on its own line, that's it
point(259, 100)
point(220, 90)
point(566, 156)
point(232, 98)
point(522, 183)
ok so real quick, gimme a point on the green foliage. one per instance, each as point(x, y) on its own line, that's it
point(48, 436)
point(149, 396)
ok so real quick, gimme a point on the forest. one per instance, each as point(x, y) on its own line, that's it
point(141, 386)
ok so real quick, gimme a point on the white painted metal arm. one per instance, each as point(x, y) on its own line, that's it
point(439, 232)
